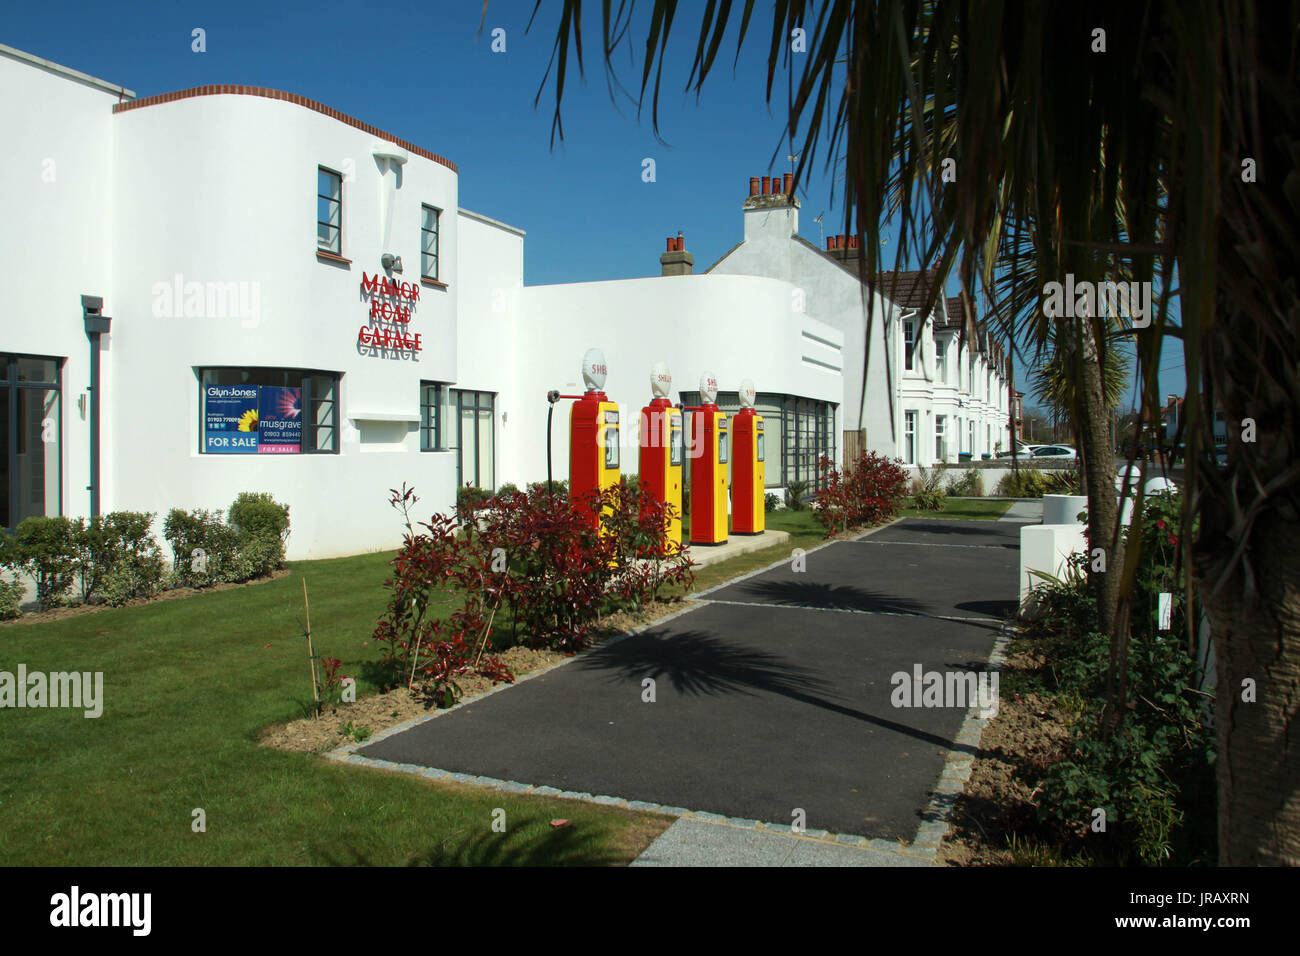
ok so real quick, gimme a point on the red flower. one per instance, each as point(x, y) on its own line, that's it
point(1160, 523)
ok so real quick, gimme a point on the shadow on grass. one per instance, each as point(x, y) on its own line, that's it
point(570, 845)
point(694, 663)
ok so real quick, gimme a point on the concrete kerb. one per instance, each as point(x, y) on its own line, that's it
point(936, 819)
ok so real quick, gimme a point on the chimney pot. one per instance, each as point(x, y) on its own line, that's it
point(789, 183)
point(830, 243)
point(767, 185)
point(753, 185)
point(670, 244)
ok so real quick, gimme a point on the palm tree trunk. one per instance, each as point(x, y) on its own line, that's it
point(1258, 766)
point(1103, 520)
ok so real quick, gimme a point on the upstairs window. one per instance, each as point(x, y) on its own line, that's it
point(429, 242)
point(329, 211)
point(940, 360)
point(909, 344)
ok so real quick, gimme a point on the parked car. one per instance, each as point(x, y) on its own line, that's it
point(1055, 451)
point(1022, 451)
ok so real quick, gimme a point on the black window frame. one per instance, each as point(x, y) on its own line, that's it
point(809, 419)
point(11, 382)
point(431, 423)
point(457, 396)
point(437, 225)
point(311, 404)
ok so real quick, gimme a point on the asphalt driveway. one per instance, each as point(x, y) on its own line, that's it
point(772, 697)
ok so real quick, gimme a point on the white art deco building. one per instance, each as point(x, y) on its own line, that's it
point(231, 288)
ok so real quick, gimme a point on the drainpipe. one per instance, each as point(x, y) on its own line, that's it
point(96, 325)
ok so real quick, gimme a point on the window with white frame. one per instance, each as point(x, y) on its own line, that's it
point(909, 437)
point(329, 211)
point(940, 438)
point(909, 344)
point(970, 437)
point(940, 359)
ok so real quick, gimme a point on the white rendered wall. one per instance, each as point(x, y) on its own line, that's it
point(737, 327)
point(222, 189)
point(56, 167)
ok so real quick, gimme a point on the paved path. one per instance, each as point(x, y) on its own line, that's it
point(772, 701)
point(1027, 512)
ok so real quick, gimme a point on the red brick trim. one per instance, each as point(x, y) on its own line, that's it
point(227, 89)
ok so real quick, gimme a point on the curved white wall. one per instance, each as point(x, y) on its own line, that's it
point(222, 189)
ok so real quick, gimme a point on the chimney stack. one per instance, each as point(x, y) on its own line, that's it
point(844, 249)
point(677, 261)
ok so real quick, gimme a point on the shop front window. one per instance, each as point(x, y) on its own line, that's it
point(268, 411)
point(801, 430)
point(31, 438)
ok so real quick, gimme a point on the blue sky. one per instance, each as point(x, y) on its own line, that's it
point(421, 72)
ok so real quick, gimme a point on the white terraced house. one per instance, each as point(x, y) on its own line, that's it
point(949, 381)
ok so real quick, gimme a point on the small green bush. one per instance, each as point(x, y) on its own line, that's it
point(508, 489)
point(11, 598)
point(1025, 483)
point(559, 487)
point(470, 499)
point(969, 484)
point(771, 502)
point(205, 550)
point(262, 525)
point(118, 559)
point(795, 492)
point(47, 547)
point(933, 500)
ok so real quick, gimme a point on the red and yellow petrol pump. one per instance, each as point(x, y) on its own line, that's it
point(593, 435)
point(709, 451)
point(661, 450)
point(748, 471)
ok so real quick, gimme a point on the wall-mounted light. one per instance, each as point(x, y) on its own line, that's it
point(390, 262)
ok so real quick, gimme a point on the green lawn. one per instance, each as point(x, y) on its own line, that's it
point(978, 509)
point(188, 685)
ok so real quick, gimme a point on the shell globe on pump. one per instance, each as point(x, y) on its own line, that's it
point(593, 435)
point(709, 454)
point(748, 473)
point(661, 450)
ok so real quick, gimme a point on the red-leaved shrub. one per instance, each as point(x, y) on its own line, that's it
point(535, 556)
point(867, 494)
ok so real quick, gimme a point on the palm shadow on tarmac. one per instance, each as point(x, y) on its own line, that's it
point(694, 663)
